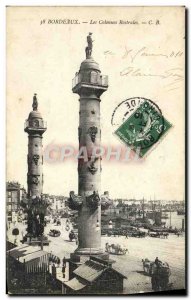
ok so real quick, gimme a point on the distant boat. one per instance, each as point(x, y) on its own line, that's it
point(180, 212)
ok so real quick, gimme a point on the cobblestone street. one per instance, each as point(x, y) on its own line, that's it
point(170, 250)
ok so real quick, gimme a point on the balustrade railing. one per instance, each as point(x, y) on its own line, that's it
point(92, 78)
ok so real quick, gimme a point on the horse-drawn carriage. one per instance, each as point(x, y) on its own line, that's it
point(159, 272)
point(56, 221)
point(54, 233)
point(164, 235)
point(138, 233)
point(72, 236)
point(158, 234)
point(154, 234)
point(115, 249)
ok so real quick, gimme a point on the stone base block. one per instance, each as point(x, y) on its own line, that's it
point(89, 251)
point(35, 241)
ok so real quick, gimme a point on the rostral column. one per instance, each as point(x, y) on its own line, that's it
point(89, 84)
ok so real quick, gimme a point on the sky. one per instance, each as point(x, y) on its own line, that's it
point(43, 59)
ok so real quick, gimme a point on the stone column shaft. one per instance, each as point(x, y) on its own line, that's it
point(35, 161)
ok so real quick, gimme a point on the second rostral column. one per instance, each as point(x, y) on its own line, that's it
point(89, 84)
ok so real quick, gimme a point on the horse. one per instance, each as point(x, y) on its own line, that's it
point(160, 274)
point(147, 266)
point(116, 249)
point(164, 235)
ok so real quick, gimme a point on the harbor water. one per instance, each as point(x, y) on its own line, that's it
point(176, 220)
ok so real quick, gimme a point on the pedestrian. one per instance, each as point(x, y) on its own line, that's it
point(157, 262)
point(63, 274)
point(54, 270)
point(155, 276)
point(63, 266)
point(64, 262)
point(155, 282)
point(50, 259)
point(58, 261)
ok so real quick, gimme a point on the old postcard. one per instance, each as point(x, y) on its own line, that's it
point(95, 191)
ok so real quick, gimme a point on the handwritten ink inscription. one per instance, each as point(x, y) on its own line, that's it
point(141, 63)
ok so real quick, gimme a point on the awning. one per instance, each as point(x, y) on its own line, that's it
point(27, 253)
point(75, 284)
point(34, 259)
point(90, 270)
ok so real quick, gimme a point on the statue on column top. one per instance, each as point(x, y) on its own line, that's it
point(90, 46)
point(35, 102)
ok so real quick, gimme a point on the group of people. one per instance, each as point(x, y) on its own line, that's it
point(56, 263)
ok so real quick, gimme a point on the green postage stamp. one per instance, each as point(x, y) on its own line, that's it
point(143, 128)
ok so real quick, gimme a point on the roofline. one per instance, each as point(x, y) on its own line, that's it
point(118, 272)
point(104, 269)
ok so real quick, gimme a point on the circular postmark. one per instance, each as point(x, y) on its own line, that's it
point(139, 123)
point(124, 109)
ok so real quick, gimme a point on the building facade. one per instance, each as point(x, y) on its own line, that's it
point(15, 195)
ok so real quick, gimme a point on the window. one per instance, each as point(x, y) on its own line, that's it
point(15, 196)
point(94, 77)
point(36, 123)
point(86, 77)
point(13, 206)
